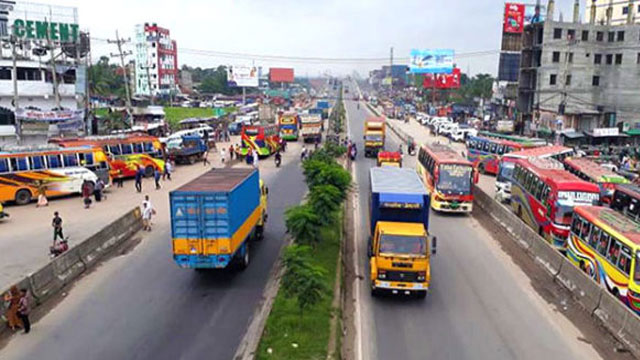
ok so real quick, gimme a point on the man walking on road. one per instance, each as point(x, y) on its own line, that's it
point(168, 169)
point(147, 213)
point(223, 155)
point(255, 159)
point(230, 152)
point(57, 227)
point(139, 174)
point(156, 177)
point(23, 310)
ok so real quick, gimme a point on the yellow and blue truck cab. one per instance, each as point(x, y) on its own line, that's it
point(214, 216)
point(400, 247)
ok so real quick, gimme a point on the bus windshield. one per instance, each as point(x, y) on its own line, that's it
point(506, 171)
point(455, 179)
point(373, 138)
point(403, 245)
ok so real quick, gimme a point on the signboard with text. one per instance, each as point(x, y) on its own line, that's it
point(242, 76)
point(425, 61)
point(442, 81)
point(513, 18)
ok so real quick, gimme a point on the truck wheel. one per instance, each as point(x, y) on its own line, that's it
point(259, 235)
point(23, 197)
point(148, 171)
point(244, 260)
point(374, 292)
point(421, 294)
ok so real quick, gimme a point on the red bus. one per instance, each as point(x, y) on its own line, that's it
point(543, 195)
point(507, 163)
point(265, 139)
point(592, 171)
point(448, 177)
point(126, 152)
point(485, 153)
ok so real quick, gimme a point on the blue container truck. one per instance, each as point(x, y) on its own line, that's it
point(400, 247)
point(214, 216)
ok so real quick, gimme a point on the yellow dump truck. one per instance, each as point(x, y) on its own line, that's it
point(374, 135)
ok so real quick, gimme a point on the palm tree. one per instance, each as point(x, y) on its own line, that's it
point(304, 224)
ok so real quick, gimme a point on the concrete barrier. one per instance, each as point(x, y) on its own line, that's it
point(544, 254)
point(612, 312)
point(586, 291)
point(44, 283)
point(68, 266)
point(630, 334)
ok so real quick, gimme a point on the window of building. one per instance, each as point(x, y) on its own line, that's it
point(638, 59)
point(5, 73)
point(568, 80)
point(611, 36)
point(595, 81)
point(609, 59)
point(553, 79)
point(557, 33)
point(625, 10)
point(571, 34)
point(599, 36)
point(618, 59)
point(585, 35)
point(555, 57)
point(620, 35)
point(570, 57)
point(597, 59)
point(29, 74)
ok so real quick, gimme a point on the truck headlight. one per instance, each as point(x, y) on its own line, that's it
point(422, 276)
point(382, 274)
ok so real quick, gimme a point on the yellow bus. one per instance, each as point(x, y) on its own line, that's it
point(606, 245)
point(61, 170)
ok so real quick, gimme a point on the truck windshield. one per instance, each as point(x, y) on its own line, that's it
point(403, 245)
point(506, 172)
point(373, 138)
point(455, 179)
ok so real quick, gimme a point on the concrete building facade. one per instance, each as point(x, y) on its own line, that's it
point(156, 56)
point(620, 11)
point(581, 76)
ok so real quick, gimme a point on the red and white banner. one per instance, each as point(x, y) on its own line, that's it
point(513, 18)
point(443, 81)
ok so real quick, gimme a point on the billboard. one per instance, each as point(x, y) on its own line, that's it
point(439, 61)
point(284, 75)
point(513, 18)
point(534, 14)
point(242, 76)
point(442, 81)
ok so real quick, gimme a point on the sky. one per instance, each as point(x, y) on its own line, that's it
point(322, 29)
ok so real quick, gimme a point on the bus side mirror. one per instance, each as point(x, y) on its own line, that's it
point(434, 245)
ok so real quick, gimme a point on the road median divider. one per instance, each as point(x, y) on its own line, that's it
point(614, 315)
point(69, 266)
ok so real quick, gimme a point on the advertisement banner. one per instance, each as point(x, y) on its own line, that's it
point(534, 14)
point(242, 76)
point(513, 18)
point(281, 75)
point(439, 61)
point(49, 116)
point(443, 81)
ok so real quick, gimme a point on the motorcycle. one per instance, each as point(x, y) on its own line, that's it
point(58, 248)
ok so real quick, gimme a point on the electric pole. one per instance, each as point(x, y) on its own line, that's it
point(14, 76)
point(390, 66)
point(119, 42)
point(147, 68)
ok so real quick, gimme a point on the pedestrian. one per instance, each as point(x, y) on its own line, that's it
point(255, 159)
point(303, 153)
point(227, 136)
point(168, 169)
point(316, 143)
point(147, 212)
point(42, 194)
point(98, 189)
point(24, 310)
point(12, 298)
point(56, 223)
point(284, 145)
point(230, 152)
point(86, 194)
point(205, 157)
point(139, 175)
point(223, 155)
point(156, 177)
point(249, 158)
point(119, 179)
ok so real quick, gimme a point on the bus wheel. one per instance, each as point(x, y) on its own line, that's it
point(148, 171)
point(259, 235)
point(374, 292)
point(23, 197)
point(582, 266)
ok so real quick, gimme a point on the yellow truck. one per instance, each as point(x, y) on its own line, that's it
point(374, 135)
point(400, 247)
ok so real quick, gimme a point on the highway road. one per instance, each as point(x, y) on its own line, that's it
point(142, 306)
point(481, 305)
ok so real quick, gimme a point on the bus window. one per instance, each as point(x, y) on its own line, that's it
point(138, 148)
point(86, 159)
point(500, 149)
point(585, 229)
point(575, 225)
point(538, 189)
point(115, 149)
point(614, 252)
point(126, 149)
point(70, 160)
point(603, 244)
point(37, 162)
point(636, 271)
point(595, 236)
point(54, 161)
point(634, 207)
point(4, 166)
point(19, 164)
point(493, 148)
point(624, 262)
point(148, 147)
point(485, 146)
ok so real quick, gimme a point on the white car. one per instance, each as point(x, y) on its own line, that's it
point(195, 131)
point(461, 133)
point(447, 128)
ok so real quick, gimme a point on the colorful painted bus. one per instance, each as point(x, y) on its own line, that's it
point(591, 171)
point(485, 153)
point(126, 152)
point(61, 170)
point(504, 177)
point(261, 138)
point(543, 195)
point(448, 177)
point(289, 125)
point(532, 142)
point(626, 200)
point(606, 245)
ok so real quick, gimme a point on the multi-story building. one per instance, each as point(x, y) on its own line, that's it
point(156, 61)
point(583, 76)
point(620, 11)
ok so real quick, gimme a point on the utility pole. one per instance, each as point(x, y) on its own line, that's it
point(14, 76)
point(390, 66)
point(121, 54)
point(147, 67)
point(54, 73)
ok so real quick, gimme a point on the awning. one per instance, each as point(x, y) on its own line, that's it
point(572, 134)
point(590, 134)
point(633, 132)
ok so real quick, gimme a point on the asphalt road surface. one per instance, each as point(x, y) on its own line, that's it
point(481, 305)
point(143, 306)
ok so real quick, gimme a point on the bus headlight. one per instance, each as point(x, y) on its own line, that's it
point(382, 274)
point(422, 276)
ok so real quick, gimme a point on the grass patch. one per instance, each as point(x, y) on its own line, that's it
point(102, 112)
point(175, 114)
point(311, 331)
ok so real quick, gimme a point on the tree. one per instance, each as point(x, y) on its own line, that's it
point(104, 79)
point(325, 200)
point(302, 280)
point(304, 224)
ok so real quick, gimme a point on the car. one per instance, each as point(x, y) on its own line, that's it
point(447, 128)
point(461, 133)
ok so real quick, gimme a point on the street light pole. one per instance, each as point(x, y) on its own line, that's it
point(14, 76)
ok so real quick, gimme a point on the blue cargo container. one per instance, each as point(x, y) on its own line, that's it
point(213, 216)
point(397, 195)
point(323, 105)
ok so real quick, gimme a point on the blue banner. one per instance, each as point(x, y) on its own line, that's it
point(438, 61)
